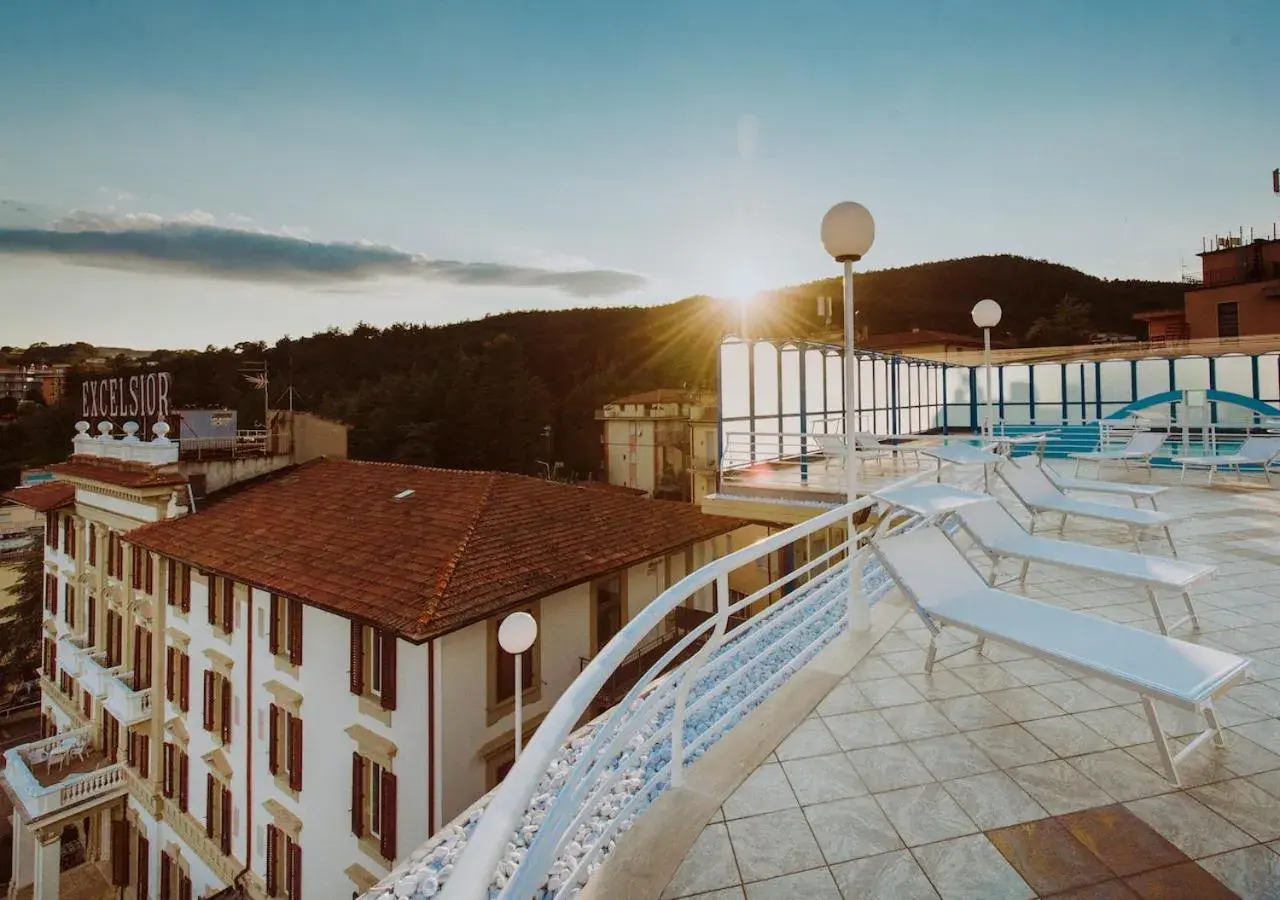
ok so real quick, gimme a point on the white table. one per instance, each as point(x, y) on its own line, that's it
point(931, 501)
point(1005, 443)
point(965, 455)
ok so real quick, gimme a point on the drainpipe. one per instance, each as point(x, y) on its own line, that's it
point(238, 881)
point(431, 738)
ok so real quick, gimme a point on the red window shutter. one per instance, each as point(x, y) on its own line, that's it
point(171, 585)
point(357, 659)
point(166, 876)
point(388, 669)
point(272, 831)
point(69, 537)
point(295, 632)
point(119, 557)
point(130, 749)
point(135, 554)
point(228, 605)
point(184, 663)
point(208, 700)
point(144, 866)
point(209, 801)
point(92, 541)
point(149, 564)
point(295, 753)
point(273, 739)
point(167, 774)
point(119, 853)
point(273, 632)
point(92, 624)
point(69, 605)
point(388, 844)
point(183, 778)
point(226, 709)
point(137, 653)
point(186, 588)
point(144, 748)
point(226, 821)
point(357, 795)
point(213, 599)
point(184, 887)
point(50, 530)
point(170, 673)
point(295, 871)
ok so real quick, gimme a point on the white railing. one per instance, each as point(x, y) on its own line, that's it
point(95, 674)
point(129, 448)
point(124, 702)
point(523, 845)
point(71, 657)
point(40, 800)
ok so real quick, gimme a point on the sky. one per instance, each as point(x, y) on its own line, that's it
point(195, 173)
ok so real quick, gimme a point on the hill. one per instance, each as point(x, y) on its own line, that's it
point(480, 394)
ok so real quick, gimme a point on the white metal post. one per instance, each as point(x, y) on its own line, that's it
point(986, 362)
point(859, 611)
point(519, 706)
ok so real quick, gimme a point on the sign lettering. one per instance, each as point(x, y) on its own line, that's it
point(129, 397)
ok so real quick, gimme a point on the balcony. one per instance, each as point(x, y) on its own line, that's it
point(126, 702)
point(95, 673)
point(61, 773)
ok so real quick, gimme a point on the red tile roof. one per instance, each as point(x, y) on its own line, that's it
point(42, 497)
point(460, 548)
point(121, 473)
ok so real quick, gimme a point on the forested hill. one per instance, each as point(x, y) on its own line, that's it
point(479, 394)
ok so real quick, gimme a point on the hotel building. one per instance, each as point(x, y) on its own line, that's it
point(279, 688)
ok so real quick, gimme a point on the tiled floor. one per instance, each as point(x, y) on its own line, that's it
point(1002, 776)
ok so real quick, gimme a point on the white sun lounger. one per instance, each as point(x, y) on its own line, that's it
point(832, 446)
point(1140, 448)
point(1037, 493)
point(946, 590)
point(1000, 536)
point(1134, 492)
point(871, 447)
point(1255, 451)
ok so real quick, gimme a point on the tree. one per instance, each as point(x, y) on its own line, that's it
point(20, 621)
point(1071, 323)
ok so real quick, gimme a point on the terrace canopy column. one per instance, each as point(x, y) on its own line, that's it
point(48, 866)
point(23, 847)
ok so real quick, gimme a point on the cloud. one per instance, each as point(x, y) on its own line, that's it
point(197, 243)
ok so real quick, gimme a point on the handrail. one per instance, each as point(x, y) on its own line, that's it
point(477, 867)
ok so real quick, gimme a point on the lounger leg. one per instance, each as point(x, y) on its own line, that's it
point(982, 642)
point(1022, 578)
point(1155, 605)
point(1075, 472)
point(1211, 716)
point(1062, 526)
point(1162, 743)
point(931, 655)
point(1182, 479)
point(1191, 610)
point(1212, 471)
point(1033, 523)
point(1168, 536)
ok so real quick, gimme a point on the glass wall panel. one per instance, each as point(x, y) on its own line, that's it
point(815, 405)
point(1016, 389)
point(1075, 398)
point(1048, 399)
point(835, 390)
point(790, 356)
point(735, 385)
point(1191, 373)
point(1269, 377)
point(1116, 377)
point(1153, 377)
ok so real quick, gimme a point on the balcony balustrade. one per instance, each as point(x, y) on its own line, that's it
point(127, 703)
point(95, 673)
point(61, 772)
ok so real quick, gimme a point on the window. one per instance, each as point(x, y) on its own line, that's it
point(49, 658)
point(177, 686)
point(115, 555)
point(110, 735)
point(69, 536)
point(284, 864)
point(175, 774)
point(373, 804)
point(51, 530)
point(138, 752)
point(175, 883)
point(179, 592)
point(144, 570)
point(67, 684)
point(608, 611)
point(1228, 320)
point(286, 628)
point(51, 594)
point(69, 605)
point(91, 614)
point(92, 541)
point(373, 664)
point(141, 658)
point(217, 705)
point(222, 603)
point(217, 813)
point(115, 628)
point(284, 748)
point(142, 876)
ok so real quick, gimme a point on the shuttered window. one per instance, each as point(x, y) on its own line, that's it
point(373, 664)
point(177, 687)
point(373, 804)
point(217, 705)
point(284, 746)
point(285, 633)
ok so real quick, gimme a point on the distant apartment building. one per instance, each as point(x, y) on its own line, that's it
point(1236, 294)
point(924, 343)
point(279, 688)
point(48, 381)
point(662, 442)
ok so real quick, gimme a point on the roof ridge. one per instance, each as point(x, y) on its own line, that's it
point(442, 583)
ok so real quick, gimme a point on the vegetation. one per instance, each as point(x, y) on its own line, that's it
point(482, 394)
point(20, 623)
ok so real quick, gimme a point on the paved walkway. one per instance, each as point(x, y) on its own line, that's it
point(1001, 776)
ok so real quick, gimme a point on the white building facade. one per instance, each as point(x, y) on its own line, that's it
point(263, 698)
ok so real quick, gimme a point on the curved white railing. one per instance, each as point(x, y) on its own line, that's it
point(560, 808)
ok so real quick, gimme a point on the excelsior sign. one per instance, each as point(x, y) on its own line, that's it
point(132, 396)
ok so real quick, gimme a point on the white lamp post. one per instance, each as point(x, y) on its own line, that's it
point(516, 634)
point(848, 231)
point(986, 315)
